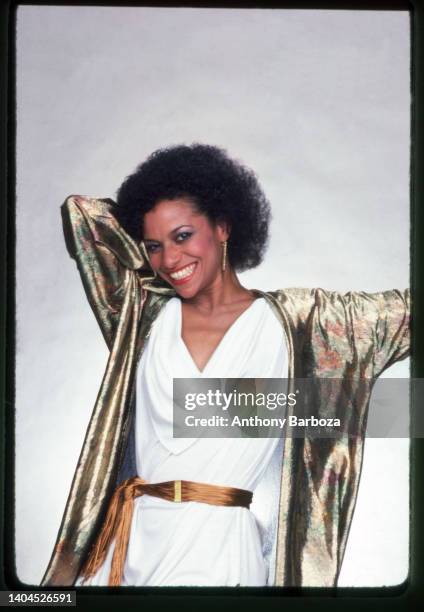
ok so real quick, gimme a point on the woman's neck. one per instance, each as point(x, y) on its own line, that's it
point(225, 291)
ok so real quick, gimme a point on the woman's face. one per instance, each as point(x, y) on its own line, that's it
point(184, 247)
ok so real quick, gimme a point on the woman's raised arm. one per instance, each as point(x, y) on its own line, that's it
point(364, 332)
point(105, 254)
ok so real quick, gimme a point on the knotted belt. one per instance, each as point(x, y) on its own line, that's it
point(117, 523)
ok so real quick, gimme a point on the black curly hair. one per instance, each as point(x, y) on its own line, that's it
point(219, 187)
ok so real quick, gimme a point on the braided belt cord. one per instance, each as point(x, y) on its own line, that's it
point(117, 523)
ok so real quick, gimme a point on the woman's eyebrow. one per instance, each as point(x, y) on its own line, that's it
point(173, 231)
point(179, 227)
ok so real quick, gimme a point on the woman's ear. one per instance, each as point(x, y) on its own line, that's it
point(223, 229)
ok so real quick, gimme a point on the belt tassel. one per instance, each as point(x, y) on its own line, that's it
point(116, 526)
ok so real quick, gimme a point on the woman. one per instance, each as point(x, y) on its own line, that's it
point(175, 308)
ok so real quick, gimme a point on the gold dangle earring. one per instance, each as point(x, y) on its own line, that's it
point(224, 255)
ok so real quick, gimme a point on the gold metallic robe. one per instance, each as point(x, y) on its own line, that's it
point(351, 336)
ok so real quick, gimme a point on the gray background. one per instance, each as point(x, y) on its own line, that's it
point(316, 102)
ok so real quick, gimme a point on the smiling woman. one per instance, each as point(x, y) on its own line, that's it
point(188, 201)
point(191, 257)
point(160, 271)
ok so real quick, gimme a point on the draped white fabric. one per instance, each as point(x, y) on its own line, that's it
point(190, 543)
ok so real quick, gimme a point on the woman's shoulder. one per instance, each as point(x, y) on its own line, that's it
point(299, 303)
point(315, 294)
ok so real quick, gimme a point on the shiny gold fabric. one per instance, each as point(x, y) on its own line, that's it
point(352, 336)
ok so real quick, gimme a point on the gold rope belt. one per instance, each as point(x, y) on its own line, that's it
point(117, 523)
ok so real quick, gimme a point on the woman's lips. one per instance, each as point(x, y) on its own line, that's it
point(183, 275)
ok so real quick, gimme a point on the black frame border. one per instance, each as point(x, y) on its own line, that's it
point(401, 597)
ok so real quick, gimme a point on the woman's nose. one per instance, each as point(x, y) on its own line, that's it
point(170, 256)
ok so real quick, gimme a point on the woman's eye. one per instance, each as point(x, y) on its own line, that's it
point(152, 248)
point(183, 236)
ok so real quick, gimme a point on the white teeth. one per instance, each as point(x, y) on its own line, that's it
point(183, 273)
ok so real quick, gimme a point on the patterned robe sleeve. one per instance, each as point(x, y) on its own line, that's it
point(351, 338)
point(357, 332)
point(368, 331)
point(113, 271)
point(105, 256)
point(392, 330)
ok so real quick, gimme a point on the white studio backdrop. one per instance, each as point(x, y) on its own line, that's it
point(316, 102)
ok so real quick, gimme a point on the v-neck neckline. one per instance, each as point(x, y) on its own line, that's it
point(218, 346)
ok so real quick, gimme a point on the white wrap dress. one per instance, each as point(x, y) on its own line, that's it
point(191, 543)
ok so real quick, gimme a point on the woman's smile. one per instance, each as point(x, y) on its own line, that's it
point(183, 275)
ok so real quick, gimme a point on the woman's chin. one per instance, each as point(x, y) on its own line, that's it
point(186, 291)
